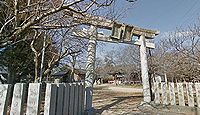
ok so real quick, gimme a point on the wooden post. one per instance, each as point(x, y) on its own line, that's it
point(144, 70)
point(172, 94)
point(190, 94)
point(18, 99)
point(50, 99)
point(4, 98)
point(181, 99)
point(90, 73)
point(33, 102)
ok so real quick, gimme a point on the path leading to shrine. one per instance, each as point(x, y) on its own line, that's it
point(117, 100)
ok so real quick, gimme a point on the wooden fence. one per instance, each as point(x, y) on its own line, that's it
point(183, 94)
point(36, 99)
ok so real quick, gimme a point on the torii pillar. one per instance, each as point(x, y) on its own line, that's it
point(90, 71)
point(144, 70)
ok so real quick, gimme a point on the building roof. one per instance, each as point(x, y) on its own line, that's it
point(60, 74)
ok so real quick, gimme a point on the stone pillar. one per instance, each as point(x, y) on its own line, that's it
point(18, 99)
point(33, 101)
point(144, 70)
point(4, 98)
point(90, 73)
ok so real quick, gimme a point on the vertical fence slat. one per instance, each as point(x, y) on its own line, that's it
point(197, 88)
point(4, 98)
point(50, 99)
point(66, 99)
point(83, 98)
point(190, 94)
point(60, 96)
point(172, 94)
point(164, 93)
point(157, 92)
point(180, 94)
point(71, 103)
point(18, 99)
point(33, 102)
point(76, 99)
point(80, 104)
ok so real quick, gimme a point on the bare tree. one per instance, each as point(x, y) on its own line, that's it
point(21, 19)
point(178, 54)
point(49, 14)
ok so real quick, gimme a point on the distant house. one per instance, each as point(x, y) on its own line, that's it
point(128, 74)
point(118, 77)
point(64, 76)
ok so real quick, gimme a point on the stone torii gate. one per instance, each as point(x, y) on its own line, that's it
point(121, 33)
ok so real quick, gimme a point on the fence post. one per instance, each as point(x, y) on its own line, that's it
point(190, 94)
point(172, 94)
point(157, 93)
point(180, 94)
point(18, 99)
point(164, 93)
point(50, 99)
point(33, 102)
point(4, 98)
point(197, 88)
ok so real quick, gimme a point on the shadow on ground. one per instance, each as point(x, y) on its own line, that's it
point(116, 101)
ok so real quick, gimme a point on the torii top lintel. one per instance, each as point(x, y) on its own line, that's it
point(102, 22)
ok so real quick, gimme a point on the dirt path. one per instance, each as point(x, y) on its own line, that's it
point(112, 100)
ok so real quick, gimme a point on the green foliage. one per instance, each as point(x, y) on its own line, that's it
point(19, 60)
